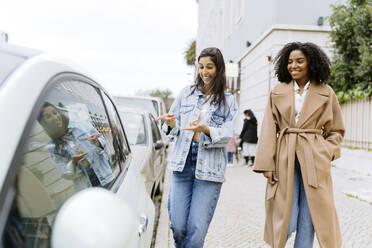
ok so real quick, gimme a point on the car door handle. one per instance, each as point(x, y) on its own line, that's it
point(144, 221)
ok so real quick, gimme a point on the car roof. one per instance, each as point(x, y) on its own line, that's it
point(11, 57)
point(138, 97)
point(133, 110)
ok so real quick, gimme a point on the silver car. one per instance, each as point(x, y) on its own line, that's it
point(67, 177)
point(147, 146)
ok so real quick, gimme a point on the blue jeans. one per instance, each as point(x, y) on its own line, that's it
point(230, 157)
point(300, 216)
point(191, 204)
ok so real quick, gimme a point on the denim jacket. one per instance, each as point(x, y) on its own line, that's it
point(97, 157)
point(212, 151)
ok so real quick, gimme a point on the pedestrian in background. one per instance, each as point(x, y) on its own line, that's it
point(301, 134)
point(231, 149)
point(202, 120)
point(249, 137)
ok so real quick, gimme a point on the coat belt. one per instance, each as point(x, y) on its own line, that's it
point(305, 145)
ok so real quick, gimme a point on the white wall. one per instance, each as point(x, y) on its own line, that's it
point(257, 73)
point(229, 24)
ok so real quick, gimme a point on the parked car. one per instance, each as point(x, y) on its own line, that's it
point(153, 105)
point(147, 147)
point(67, 177)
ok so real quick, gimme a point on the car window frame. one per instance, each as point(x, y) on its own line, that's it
point(9, 186)
point(126, 164)
point(152, 120)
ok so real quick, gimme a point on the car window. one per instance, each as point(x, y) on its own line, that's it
point(70, 147)
point(134, 125)
point(156, 107)
point(154, 129)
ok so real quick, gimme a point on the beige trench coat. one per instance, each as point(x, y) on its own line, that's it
point(316, 140)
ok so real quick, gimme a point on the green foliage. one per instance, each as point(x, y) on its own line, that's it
point(166, 95)
point(351, 24)
point(190, 54)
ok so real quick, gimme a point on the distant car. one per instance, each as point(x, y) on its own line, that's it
point(62, 135)
point(153, 105)
point(147, 146)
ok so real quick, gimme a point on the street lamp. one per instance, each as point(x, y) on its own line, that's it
point(237, 91)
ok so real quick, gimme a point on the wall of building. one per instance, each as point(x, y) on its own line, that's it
point(257, 70)
point(229, 24)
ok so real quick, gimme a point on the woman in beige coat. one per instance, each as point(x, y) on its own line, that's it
point(300, 135)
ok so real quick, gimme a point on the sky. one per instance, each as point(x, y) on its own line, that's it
point(128, 46)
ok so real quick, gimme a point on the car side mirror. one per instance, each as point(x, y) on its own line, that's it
point(158, 144)
point(95, 217)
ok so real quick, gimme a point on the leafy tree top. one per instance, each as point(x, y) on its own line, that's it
point(351, 35)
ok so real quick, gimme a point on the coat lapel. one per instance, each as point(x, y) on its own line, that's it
point(283, 99)
point(315, 98)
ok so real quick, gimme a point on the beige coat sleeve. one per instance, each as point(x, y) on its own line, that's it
point(266, 148)
point(334, 129)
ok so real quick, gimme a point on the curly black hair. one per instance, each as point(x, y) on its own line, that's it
point(318, 62)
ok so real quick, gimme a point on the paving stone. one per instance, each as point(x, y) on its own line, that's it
point(239, 217)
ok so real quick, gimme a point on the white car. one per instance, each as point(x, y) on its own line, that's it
point(147, 146)
point(153, 105)
point(67, 176)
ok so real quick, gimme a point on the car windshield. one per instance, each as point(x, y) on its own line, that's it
point(134, 125)
point(149, 105)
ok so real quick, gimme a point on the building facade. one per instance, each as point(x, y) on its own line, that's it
point(251, 33)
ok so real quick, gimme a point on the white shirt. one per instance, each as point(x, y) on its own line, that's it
point(299, 99)
point(203, 112)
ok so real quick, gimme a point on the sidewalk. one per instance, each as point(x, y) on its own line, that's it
point(239, 218)
point(358, 165)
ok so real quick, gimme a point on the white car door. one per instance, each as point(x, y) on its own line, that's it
point(74, 141)
point(133, 188)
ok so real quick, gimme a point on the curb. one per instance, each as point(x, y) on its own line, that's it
point(163, 233)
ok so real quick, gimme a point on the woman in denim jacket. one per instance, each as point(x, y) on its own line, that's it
point(78, 155)
point(202, 120)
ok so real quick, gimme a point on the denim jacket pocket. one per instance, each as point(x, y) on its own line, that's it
point(186, 108)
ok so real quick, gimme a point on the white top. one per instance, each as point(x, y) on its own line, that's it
point(204, 112)
point(299, 99)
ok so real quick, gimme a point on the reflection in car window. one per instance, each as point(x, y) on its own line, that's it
point(134, 125)
point(77, 150)
point(70, 147)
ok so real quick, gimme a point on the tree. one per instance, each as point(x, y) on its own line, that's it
point(166, 95)
point(351, 24)
point(190, 54)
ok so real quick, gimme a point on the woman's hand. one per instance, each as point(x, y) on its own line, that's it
point(194, 126)
point(169, 119)
point(271, 177)
point(93, 139)
point(80, 156)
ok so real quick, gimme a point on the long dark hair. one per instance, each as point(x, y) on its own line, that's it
point(51, 132)
point(218, 84)
point(249, 112)
point(318, 62)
